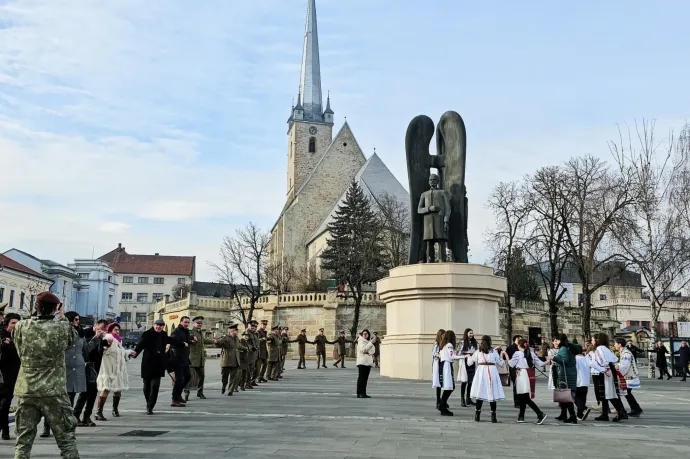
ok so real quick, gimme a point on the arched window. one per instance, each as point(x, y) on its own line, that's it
point(312, 144)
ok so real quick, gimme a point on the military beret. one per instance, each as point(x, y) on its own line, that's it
point(198, 319)
point(47, 298)
point(233, 326)
point(159, 322)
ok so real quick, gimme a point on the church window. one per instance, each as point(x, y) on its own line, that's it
point(312, 144)
point(344, 144)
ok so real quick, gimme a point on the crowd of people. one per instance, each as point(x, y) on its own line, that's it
point(61, 371)
point(484, 371)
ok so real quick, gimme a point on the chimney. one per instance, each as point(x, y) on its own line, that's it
point(119, 246)
point(156, 254)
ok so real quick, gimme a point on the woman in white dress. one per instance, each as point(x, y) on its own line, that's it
point(486, 385)
point(467, 347)
point(446, 358)
point(112, 377)
point(524, 361)
point(435, 361)
point(604, 362)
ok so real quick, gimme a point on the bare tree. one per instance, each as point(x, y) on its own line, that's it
point(243, 266)
point(395, 218)
point(179, 291)
point(280, 275)
point(311, 279)
point(599, 199)
point(655, 239)
point(507, 203)
point(545, 238)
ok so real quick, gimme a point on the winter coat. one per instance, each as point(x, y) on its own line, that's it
point(661, 362)
point(113, 376)
point(75, 363)
point(684, 355)
point(566, 369)
point(365, 352)
point(230, 351)
point(9, 364)
point(179, 355)
point(153, 362)
point(263, 350)
point(273, 343)
point(197, 351)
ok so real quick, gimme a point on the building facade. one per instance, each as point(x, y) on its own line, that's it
point(143, 280)
point(19, 286)
point(95, 297)
point(320, 166)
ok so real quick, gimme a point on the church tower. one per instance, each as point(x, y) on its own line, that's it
point(310, 127)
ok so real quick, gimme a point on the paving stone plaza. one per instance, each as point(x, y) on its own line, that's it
point(315, 414)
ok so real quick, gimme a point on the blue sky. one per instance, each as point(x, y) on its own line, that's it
point(162, 124)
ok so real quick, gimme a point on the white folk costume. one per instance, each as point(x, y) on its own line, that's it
point(486, 384)
point(447, 357)
point(466, 368)
point(523, 385)
point(603, 362)
point(584, 373)
point(628, 368)
point(435, 363)
point(552, 352)
point(113, 376)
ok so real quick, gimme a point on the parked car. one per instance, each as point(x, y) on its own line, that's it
point(131, 338)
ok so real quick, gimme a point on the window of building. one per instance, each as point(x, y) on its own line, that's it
point(312, 144)
point(143, 280)
point(181, 281)
point(126, 296)
point(110, 301)
point(602, 296)
point(32, 301)
point(142, 297)
point(158, 280)
point(634, 323)
point(128, 280)
point(110, 278)
point(22, 295)
point(83, 275)
point(141, 317)
point(11, 303)
point(155, 297)
point(2, 294)
point(579, 298)
point(645, 323)
point(126, 316)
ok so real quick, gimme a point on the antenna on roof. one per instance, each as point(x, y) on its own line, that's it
point(93, 249)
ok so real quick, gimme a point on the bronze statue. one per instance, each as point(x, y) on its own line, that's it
point(450, 162)
point(434, 206)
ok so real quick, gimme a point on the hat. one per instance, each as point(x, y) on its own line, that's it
point(304, 330)
point(376, 333)
point(159, 322)
point(285, 328)
point(47, 298)
point(71, 315)
point(320, 329)
point(244, 333)
point(264, 321)
point(276, 327)
point(233, 326)
point(253, 322)
point(198, 319)
point(111, 326)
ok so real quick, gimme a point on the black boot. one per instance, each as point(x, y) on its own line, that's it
point(201, 395)
point(222, 389)
point(477, 415)
point(493, 417)
point(470, 402)
point(46, 430)
point(445, 412)
point(116, 404)
point(99, 410)
point(186, 396)
point(6, 433)
point(621, 415)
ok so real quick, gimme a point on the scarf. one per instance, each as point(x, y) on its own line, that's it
point(117, 337)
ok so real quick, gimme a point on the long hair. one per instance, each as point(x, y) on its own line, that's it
point(439, 337)
point(448, 338)
point(528, 352)
point(603, 339)
point(467, 342)
point(485, 345)
point(563, 340)
point(368, 338)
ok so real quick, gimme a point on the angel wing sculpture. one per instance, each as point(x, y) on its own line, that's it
point(451, 144)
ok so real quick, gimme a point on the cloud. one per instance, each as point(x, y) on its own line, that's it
point(113, 227)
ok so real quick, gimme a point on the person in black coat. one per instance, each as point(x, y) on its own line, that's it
point(179, 361)
point(9, 370)
point(153, 364)
point(661, 362)
point(684, 358)
point(87, 400)
point(512, 349)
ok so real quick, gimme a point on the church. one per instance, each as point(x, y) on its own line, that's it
point(320, 167)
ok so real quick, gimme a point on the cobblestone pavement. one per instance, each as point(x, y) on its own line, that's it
point(314, 414)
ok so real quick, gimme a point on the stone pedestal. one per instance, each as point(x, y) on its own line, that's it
point(420, 299)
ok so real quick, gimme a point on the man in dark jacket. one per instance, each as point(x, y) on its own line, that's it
point(512, 349)
point(301, 341)
point(262, 359)
point(684, 358)
point(320, 341)
point(9, 370)
point(340, 342)
point(153, 342)
point(87, 400)
point(180, 359)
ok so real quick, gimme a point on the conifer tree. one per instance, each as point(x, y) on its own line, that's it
point(355, 253)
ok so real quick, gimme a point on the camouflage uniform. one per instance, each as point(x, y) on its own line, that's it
point(41, 343)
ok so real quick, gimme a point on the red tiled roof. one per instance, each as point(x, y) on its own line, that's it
point(124, 263)
point(9, 263)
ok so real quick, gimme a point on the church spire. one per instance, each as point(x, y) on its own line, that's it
point(310, 79)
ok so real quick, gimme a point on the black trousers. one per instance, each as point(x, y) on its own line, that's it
point(151, 388)
point(524, 400)
point(182, 376)
point(362, 379)
point(634, 406)
point(581, 398)
point(86, 400)
point(321, 356)
point(301, 364)
point(491, 404)
point(5, 403)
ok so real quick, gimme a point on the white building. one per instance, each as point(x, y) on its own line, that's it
point(19, 286)
point(145, 279)
point(95, 298)
point(65, 281)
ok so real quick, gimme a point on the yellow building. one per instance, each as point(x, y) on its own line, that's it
point(19, 286)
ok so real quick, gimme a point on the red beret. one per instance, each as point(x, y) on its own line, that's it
point(47, 298)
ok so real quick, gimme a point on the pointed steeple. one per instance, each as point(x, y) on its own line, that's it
point(310, 79)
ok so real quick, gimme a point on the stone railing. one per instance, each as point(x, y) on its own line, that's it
point(311, 299)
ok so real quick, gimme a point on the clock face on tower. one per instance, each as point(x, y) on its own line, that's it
point(312, 130)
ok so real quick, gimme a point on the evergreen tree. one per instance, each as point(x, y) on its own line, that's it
point(521, 282)
point(355, 254)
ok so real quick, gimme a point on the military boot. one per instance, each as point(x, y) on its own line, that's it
point(46, 430)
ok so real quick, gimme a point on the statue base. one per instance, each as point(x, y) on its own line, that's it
point(423, 298)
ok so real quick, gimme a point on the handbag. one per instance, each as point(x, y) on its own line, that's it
point(563, 395)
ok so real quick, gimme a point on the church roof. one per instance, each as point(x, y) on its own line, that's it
point(310, 77)
point(375, 179)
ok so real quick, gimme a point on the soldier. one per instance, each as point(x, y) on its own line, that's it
point(197, 359)
point(377, 351)
point(321, 342)
point(301, 341)
point(229, 359)
point(244, 363)
point(252, 355)
point(41, 343)
point(262, 362)
point(273, 345)
point(340, 346)
point(285, 342)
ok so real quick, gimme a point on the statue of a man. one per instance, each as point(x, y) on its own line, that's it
point(434, 206)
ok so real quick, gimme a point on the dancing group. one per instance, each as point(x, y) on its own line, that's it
point(484, 371)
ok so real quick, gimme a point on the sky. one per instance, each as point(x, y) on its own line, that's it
point(161, 125)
